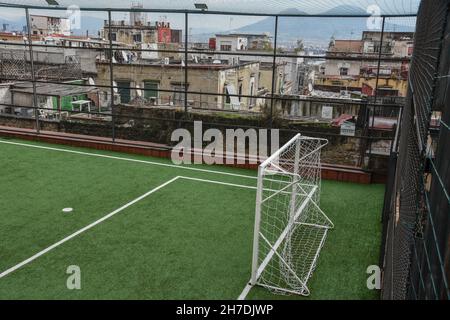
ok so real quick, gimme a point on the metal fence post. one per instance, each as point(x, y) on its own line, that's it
point(380, 53)
point(186, 43)
point(111, 76)
point(33, 78)
point(274, 70)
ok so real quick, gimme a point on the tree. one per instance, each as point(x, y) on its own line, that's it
point(300, 46)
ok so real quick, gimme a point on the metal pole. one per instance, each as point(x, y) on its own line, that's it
point(33, 79)
point(255, 258)
point(295, 180)
point(111, 76)
point(380, 53)
point(186, 42)
point(274, 69)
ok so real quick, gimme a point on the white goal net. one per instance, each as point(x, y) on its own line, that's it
point(290, 227)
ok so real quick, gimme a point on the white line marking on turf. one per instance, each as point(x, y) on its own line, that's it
point(218, 182)
point(227, 184)
point(53, 246)
point(127, 159)
point(245, 292)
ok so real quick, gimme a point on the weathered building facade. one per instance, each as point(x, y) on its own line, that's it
point(360, 75)
point(164, 84)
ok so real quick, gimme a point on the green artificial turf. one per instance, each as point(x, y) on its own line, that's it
point(188, 240)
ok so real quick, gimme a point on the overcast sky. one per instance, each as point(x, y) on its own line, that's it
point(220, 22)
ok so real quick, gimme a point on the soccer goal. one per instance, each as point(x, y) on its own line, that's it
point(290, 227)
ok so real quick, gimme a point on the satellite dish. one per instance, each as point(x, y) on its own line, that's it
point(115, 87)
point(91, 81)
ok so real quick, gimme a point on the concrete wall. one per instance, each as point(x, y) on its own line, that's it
point(313, 109)
point(265, 78)
point(5, 96)
point(53, 55)
point(152, 124)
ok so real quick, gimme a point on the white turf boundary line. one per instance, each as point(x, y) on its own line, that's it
point(53, 246)
point(245, 292)
point(218, 182)
point(127, 159)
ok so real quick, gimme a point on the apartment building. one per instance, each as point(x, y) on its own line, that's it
point(358, 75)
point(156, 83)
point(242, 42)
point(47, 25)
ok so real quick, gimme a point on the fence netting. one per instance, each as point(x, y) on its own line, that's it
point(416, 219)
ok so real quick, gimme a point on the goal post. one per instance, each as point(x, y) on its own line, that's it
point(290, 227)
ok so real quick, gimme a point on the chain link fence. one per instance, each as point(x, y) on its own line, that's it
point(416, 218)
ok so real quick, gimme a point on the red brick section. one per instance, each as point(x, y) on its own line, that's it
point(329, 172)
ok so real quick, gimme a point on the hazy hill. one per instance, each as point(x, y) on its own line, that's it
point(310, 28)
point(317, 29)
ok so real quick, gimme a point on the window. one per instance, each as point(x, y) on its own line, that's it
point(178, 97)
point(124, 91)
point(137, 37)
point(151, 89)
point(231, 99)
point(227, 97)
point(114, 36)
point(240, 91)
point(225, 47)
point(252, 89)
point(343, 71)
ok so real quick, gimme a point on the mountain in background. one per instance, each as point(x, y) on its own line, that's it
point(318, 29)
point(345, 10)
point(310, 29)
